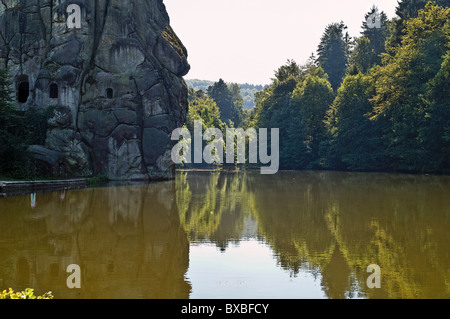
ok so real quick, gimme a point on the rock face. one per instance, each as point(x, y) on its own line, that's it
point(116, 82)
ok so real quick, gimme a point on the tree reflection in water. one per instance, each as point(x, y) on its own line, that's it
point(134, 241)
point(332, 224)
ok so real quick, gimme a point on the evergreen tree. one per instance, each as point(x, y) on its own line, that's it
point(333, 52)
point(238, 103)
point(195, 94)
point(231, 112)
point(371, 44)
point(290, 69)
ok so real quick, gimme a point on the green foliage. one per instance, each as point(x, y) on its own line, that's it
point(402, 85)
point(297, 105)
point(205, 109)
point(247, 90)
point(229, 101)
point(26, 294)
point(97, 180)
point(333, 52)
point(195, 94)
point(391, 111)
point(371, 45)
point(354, 139)
point(21, 129)
point(363, 57)
point(309, 104)
point(198, 85)
point(437, 136)
point(18, 130)
point(290, 69)
point(12, 148)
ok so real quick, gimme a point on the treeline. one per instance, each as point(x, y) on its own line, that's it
point(380, 102)
point(247, 90)
point(221, 105)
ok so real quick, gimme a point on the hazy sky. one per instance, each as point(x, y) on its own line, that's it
point(247, 40)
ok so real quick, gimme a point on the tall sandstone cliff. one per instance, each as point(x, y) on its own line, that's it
point(116, 83)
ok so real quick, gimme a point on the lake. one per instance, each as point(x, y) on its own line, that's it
point(234, 235)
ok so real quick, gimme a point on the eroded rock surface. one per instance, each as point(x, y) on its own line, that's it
point(116, 83)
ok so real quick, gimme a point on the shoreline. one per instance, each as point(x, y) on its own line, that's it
point(12, 187)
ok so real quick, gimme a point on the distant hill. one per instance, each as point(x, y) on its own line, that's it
point(247, 90)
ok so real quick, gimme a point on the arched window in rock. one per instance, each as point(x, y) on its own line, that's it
point(54, 91)
point(23, 89)
point(109, 93)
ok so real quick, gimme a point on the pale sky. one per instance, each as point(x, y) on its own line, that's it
point(247, 40)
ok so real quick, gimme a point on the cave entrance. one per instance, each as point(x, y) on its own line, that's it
point(109, 93)
point(54, 91)
point(23, 89)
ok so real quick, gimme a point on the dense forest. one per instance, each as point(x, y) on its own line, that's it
point(247, 90)
point(377, 102)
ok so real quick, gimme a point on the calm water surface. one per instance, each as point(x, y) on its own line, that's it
point(234, 235)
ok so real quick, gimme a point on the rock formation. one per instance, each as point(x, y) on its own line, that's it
point(115, 83)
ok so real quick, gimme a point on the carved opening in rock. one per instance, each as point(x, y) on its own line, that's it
point(23, 89)
point(109, 93)
point(54, 91)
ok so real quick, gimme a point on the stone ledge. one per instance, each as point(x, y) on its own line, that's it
point(7, 187)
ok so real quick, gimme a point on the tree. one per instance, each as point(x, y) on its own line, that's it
point(290, 69)
point(297, 107)
point(309, 104)
point(437, 137)
point(238, 103)
point(195, 94)
point(333, 52)
point(376, 32)
point(231, 112)
point(369, 47)
point(205, 109)
point(273, 107)
point(355, 141)
point(402, 85)
point(406, 10)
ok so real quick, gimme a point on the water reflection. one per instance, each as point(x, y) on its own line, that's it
point(127, 241)
point(332, 224)
point(165, 240)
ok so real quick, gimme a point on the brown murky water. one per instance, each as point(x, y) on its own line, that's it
point(234, 235)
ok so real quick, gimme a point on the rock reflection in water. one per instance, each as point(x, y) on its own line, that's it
point(127, 241)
